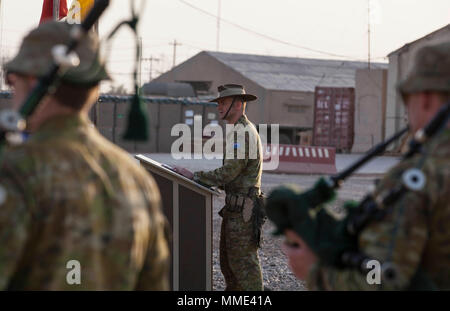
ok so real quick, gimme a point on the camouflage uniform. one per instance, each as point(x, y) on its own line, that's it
point(69, 194)
point(414, 235)
point(239, 259)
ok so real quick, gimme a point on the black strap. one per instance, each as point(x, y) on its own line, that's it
point(226, 115)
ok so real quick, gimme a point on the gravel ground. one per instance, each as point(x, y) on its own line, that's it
point(276, 273)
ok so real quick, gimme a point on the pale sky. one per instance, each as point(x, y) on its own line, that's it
point(336, 27)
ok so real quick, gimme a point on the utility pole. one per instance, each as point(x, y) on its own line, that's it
point(151, 59)
point(56, 6)
point(175, 44)
point(369, 20)
point(219, 13)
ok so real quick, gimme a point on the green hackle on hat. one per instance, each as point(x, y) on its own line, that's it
point(137, 127)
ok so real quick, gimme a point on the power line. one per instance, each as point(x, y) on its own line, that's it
point(264, 35)
point(151, 59)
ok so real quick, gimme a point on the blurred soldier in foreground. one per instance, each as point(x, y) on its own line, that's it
point(414, 235)
point(69, 196)
point(240, 176)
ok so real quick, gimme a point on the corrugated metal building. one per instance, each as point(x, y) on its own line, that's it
point(401, 62)
point(110, 114)
point(284, 85)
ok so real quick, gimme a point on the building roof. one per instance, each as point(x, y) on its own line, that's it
point(408, 45)
point(174, 89)
point(293, 74)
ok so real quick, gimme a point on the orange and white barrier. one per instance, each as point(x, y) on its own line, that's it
point(294, 159)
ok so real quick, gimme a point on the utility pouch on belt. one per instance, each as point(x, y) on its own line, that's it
point(258, 215)
point(252, 208)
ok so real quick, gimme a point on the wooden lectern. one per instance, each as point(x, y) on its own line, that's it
point(188, 208)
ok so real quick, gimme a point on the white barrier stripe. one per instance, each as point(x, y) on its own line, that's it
point(313, 152)
point(300, 152)
point(294, 151)
point(307, 152)
point(287, 151)
point(320, 153)
point(281, 151)
point(327, 155)
point(274, 150)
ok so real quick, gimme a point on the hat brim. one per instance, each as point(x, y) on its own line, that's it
point(415, 84)
point(245, 97)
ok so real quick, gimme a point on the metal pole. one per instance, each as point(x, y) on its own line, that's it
point(152, 59)
point(96, 26)
point(174, 53)
point(369, 32)
point(175, 44)
point(56, 5)
point(151, 68)
point(219, 13)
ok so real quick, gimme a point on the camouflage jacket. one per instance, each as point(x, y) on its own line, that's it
point(415, 234)
point(69, 195)
point(242, 161)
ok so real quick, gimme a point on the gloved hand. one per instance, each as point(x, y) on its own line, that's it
point(304, 213)
point(287, 206)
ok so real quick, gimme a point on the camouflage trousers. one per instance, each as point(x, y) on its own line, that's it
point(239, 259)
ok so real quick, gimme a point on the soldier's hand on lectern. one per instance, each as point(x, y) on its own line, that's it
point(183, 171)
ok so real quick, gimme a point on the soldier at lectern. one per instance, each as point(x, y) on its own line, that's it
point(240, 177)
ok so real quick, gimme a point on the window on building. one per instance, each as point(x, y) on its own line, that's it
point(200, 87)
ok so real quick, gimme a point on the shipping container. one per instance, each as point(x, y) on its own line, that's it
point(334, 111)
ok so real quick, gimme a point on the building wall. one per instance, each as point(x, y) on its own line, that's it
point(287, 108)
point(370, 107)
point(206, 68)
point(291, 109)
point(400, 64)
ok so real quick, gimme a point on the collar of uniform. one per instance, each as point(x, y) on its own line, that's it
point(243, 120)
point(56, 125)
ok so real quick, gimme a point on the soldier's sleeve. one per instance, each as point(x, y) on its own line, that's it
point(399, 238)
point(154, 275)
point(223, 175)
point(14, 225)
point(234, 162)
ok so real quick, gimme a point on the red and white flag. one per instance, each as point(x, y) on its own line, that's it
point(47, 10)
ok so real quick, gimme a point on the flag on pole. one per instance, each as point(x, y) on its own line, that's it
point(80, 9)
point(47, 10)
